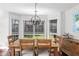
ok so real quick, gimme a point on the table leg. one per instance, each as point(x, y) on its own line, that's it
point(55, 51)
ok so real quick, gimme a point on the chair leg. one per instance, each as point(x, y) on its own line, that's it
point(12, 52)
point(60, 52)
point(49, 52)
point(19, 53)
point(9, 52)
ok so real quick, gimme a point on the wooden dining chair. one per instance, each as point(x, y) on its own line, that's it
point(43, 43)
point(26, 44)
point(12, 50)
point(58, 41)
point(10, 41)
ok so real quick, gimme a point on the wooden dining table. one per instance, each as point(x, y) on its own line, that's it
point(16, 45)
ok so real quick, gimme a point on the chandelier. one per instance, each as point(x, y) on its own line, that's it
point(36, 20)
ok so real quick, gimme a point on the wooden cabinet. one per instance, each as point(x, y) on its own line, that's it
point(76, 48)
point(70, 47)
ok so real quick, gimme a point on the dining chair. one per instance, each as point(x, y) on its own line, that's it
point(58, 41)
point(43, 44)
point(12, 50)
point(10, 41)
point(26, 45)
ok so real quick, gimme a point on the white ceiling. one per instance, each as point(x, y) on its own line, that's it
point(42, 8)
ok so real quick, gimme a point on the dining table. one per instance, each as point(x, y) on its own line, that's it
point(16, 45)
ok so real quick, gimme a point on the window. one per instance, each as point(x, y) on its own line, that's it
point(53, 26)
point(15, 28)
point(39, 29)
point(31, 30)
point(28, 29)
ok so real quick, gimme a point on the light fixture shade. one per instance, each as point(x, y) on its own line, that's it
point(35, 20)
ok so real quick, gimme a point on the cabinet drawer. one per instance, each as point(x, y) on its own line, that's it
point(76, 49)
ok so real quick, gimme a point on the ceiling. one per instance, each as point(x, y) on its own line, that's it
point(42, 8)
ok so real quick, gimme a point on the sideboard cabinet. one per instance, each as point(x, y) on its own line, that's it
point(70, 47)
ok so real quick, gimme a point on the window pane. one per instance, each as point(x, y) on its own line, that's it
point(53, 26)
point(39, 29)
point(15, 26)
point(28, 27)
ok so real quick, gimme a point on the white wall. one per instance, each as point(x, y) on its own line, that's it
point(62, 24)
point(69, 21)
point(4, 28)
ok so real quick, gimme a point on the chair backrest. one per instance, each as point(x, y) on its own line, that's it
point(44, 43)
point(10, 39)
point(55, 38)
point(26, 43)
point(61, 40)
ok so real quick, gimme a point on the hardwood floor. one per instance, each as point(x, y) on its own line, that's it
point(29, 52)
